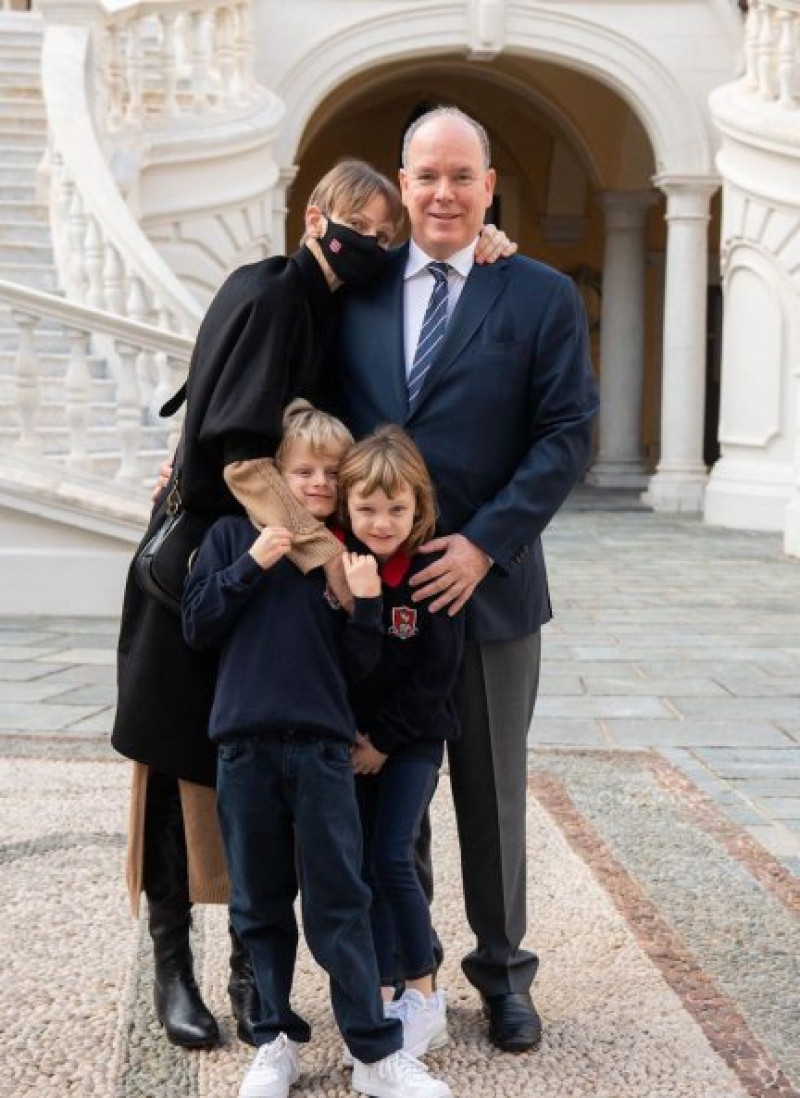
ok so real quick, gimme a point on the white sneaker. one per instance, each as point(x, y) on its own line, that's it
point(397, 1076)
point(273, 1071)
point(424, 1020)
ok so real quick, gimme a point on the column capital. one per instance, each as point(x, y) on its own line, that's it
point(626, 209)
point(688, 196)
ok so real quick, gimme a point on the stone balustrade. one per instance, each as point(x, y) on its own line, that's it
point(138, 355)
point(155, 64)
point(772, 52)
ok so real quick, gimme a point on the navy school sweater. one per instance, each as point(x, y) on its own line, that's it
point(407, 702)
point(288, 652)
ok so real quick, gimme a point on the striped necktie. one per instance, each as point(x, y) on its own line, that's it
point(432, 332)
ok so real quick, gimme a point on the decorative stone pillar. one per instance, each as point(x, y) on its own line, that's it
point(286, 176)
point(680, 479)
point(622, 340)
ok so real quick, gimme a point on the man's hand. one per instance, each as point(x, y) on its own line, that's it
point(454, 576)
point(493, 244)
point(164, 473)
point(361, 572)
point(271, 544)
point(366, 758)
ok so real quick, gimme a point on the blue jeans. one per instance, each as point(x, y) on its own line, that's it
point(274, 792)
point(392, 804)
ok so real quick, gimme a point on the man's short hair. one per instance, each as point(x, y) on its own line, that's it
point(449, 112)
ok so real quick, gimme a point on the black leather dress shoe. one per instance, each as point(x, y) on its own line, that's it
point(514, 1025)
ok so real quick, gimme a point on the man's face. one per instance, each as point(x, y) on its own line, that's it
point(445, 186)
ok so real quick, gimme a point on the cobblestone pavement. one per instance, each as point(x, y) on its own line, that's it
point(664, 846)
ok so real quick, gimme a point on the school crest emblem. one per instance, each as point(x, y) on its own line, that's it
point(404, 622)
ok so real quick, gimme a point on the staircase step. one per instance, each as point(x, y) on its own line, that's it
point(18, 106)
point(100, 441)
point(16, 192)
point(13, 123)
point(21, 253)
point(23, 211)
point(29, 134)
point(20, 156)
point(53, 366)
point(16, 85)
point(40, 276)
point(36, 232)
point(52, 412)
point(19, 173)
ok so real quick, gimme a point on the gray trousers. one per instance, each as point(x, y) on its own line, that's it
point(488, 773)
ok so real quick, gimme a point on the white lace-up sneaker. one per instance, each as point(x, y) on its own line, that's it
point(397, 1076)
point(273, 1071)
point(424, 1020)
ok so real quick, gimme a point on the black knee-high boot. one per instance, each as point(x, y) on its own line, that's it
point(179, 1007)
point(242, 989)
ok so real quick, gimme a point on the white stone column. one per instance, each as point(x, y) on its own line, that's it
point(622, 341)
point(680, 478)
point(286, 176)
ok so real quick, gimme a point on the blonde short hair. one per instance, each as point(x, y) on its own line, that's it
point(322, 433)
point(350, 185)
point(389, 460)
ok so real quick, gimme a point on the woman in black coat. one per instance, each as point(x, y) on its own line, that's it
point(262, 343)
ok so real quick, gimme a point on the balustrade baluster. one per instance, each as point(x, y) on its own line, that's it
point(166, 384)
point(129, 414)
point(752, 35)
point(170, 57)
point(78, 394)
point(95, 296)
point(200, 66)
point(244, 50)
point(114, 78)
point(134, 75)
point(140, 308)
point(766, 51)
point(788, 58)
point(113, 281)
point(27, 395)
point(225, 55)
point(77, 236)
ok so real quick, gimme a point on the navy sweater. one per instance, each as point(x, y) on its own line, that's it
point(407, 703)
point(287, 651)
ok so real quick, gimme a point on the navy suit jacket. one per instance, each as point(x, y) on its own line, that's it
point(504, 419)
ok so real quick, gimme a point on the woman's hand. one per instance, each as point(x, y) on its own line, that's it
point(366, 758)
point(164, 473)
point(493, 244)
point(361, 572)
point(271, 544)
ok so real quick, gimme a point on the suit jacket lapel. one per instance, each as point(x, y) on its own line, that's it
point(389, 318)
point(481, 290)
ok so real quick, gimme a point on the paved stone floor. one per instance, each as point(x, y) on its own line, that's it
point(664, 856)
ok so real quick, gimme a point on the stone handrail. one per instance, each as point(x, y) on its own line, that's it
point(772, 52)
point(138, 350)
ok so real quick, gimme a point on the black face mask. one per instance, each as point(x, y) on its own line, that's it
point(354, 258)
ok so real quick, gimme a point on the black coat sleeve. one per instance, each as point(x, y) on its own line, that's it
point(414, 704)
point(219, 585)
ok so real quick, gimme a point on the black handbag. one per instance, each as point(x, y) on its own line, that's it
point(163, 562)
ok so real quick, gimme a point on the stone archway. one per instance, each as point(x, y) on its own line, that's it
point(356, 61)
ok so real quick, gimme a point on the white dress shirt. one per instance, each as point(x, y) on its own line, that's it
point(418, 286)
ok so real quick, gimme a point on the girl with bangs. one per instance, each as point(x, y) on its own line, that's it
point(405, 712)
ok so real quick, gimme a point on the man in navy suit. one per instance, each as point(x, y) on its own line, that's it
point(503, 412)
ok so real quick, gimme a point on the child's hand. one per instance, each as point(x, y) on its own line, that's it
point(366, 758)
point(362, 576)
point(271, 544)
